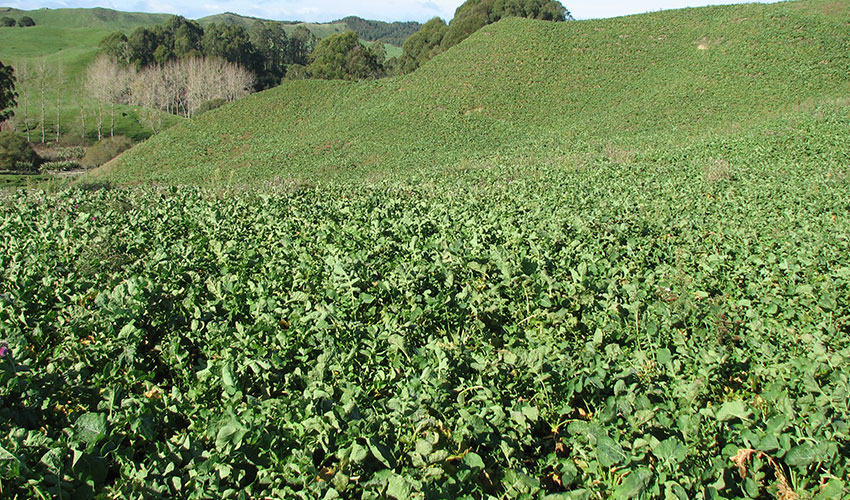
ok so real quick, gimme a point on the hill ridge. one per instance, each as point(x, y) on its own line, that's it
point(518, 85)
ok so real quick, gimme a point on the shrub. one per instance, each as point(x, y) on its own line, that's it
point(62, 153)
point(16, 154)
point(25, 22)
point(105, 150)
point(59, 166)
point(7, 22)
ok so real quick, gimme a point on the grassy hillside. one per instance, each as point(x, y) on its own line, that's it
point(69, 38)
point(522, 87)
point(93, 19)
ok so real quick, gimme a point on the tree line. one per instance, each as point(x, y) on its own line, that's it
point(266, 50)
point(378, 31)
point(436, 36)
point(179, 86)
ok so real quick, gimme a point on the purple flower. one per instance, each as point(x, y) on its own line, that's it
point(4, 350)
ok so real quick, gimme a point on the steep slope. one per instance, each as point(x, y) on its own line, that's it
point(526, 87)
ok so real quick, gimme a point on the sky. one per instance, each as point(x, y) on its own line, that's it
point(329, 10)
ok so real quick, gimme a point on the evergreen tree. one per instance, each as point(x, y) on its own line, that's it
point(343, 57)
point(7, 91)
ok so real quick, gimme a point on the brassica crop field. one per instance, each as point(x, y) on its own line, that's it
point(654, 324)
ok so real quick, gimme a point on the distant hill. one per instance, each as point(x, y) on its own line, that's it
point(524, 88)
point(112, 20)
point(391, 33)
point(96, 18)
point(321, 30)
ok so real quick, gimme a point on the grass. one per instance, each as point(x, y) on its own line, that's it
point(93, 19)
point(523, 87)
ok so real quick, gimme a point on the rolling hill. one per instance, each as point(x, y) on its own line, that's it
point(96, 18)
point(69, 38)
point(520, 87)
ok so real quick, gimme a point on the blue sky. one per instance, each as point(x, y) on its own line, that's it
point(327, 10)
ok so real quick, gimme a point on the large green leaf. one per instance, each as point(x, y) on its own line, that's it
point(90, 427)
point(609, 452)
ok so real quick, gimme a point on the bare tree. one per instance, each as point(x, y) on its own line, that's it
point(81, 103)
point(178, 87)
point(236, 81)
point(208, 79)
point(149, 91)
point(99, 84)
point(118, 89)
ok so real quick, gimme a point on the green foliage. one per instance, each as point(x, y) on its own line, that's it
point(493, 278)
point(231, 43)
point(392, 33)
point(7, 92)
point(271, 42)
point(105, 150)
point(515, 330)
point(26, 22)
point(16, 154)
point(7, 22)
point(422, 46)
point(471, 16)
point(343, 57)
point(115, 45)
